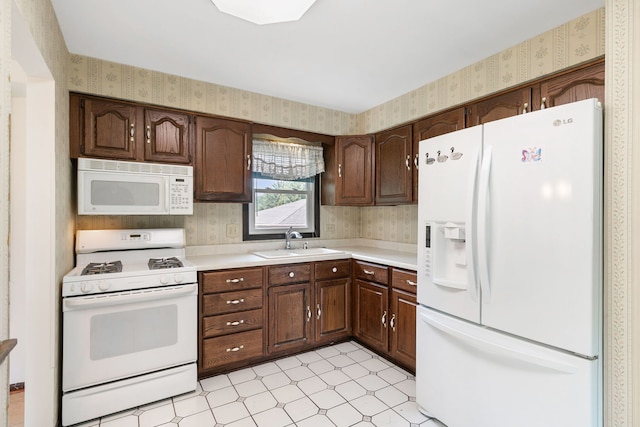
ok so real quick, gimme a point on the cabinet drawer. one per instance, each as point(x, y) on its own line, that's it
point(293, 273)
point(228, 302)
point(230, 323)
point(231, 348)
point(231, 280)
point(332, 269)
point(371, 272)
point(405, 280)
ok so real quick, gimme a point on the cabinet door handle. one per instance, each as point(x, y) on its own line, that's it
point(334, 269)
point(369, 272)
point(238, 280)
point(318, 312)
point(525, 107)
point(235, 301)
point(148, 134)
point(248, 162)
point(132, 131)
point(292, 274)
point(309, 314)
point(408, 162)
point(543, 104)
point(411, 283)
point(235, 348)
point(392, 322)
point(236, 323)
point(384, 319)
point(340, 170)
point(415, 161)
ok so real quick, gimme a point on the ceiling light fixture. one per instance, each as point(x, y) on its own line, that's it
point(265, 11)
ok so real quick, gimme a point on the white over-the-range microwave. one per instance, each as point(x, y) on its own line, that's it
point(109, 187)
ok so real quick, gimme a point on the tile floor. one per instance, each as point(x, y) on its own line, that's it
point(341, 385)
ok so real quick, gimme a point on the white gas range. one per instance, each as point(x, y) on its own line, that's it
point(129, 322)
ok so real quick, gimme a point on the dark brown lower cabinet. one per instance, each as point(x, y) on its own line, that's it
point(232, 316)
point(289, 317)
point(371, 314)
point(402, 327)
point(228, 349)
point(249, 315)
point(385, 311)
point(332, 309)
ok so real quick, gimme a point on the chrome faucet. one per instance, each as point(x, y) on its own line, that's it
point(288, 235)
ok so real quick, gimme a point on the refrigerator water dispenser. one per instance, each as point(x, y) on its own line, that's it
point(449, 263)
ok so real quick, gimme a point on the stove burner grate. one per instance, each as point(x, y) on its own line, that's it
point(160, 263)
point(102, 268)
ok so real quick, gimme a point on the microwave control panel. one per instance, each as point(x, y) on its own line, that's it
point(181, 195)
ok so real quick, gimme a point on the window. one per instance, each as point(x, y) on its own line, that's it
point(285, 190)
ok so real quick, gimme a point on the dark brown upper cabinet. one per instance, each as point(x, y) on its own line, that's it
point(394, 166)
point(354, 170)
point(222, 167)
point(498, 107)
point(583, 83)
point(107, 128)
point(167, 136)
point(120, 130)
point(439, 124)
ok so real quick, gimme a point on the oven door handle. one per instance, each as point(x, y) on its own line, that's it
point(130, 297)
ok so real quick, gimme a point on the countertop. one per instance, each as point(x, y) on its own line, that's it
point(241, 255)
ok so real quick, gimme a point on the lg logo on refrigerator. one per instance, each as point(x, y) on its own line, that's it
point(562, 122)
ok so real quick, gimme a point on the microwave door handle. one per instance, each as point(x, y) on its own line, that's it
point(106, 300)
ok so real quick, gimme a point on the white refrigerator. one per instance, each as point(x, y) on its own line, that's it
point(509, 325)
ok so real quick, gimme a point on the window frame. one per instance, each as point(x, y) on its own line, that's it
point(247, 211)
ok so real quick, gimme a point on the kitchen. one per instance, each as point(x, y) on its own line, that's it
point(370, 217)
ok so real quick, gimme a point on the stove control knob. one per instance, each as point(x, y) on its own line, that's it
point(178, 278)
point(86, 287)
point(164, 279)
point(104, 286)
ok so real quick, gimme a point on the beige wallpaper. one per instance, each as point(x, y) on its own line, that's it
point(570, 44)
point(5, 103)
point(90, 75)
point(574, 42)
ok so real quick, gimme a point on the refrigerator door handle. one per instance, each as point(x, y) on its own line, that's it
point(500, 349)
point(470, 229)
point(483, 216)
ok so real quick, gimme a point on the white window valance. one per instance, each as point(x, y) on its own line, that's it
point(285, 160)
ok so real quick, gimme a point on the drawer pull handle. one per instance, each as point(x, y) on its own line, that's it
point(392, 322)
point(292, 274)
point(411, 283)
point(384, 319)
point(369, 272)
point(318, 312)
point(235, 348)
point(241, 279)
point(235, 301)
point(236, 323)
point(309, 314)
point(334, 269)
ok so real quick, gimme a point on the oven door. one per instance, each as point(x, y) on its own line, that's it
point(108, 337)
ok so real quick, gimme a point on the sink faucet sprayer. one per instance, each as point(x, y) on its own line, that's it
point(288, 235)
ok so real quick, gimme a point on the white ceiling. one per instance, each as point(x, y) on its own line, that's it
point(347, 55)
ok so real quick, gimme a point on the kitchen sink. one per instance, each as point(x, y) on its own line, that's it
point(289, 253)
